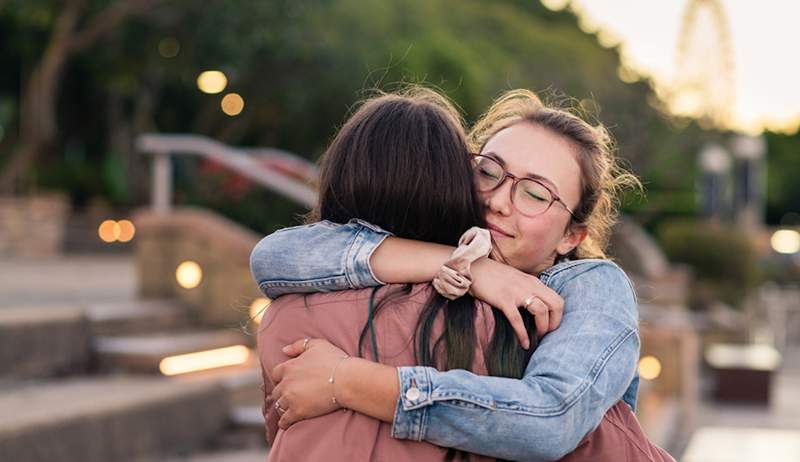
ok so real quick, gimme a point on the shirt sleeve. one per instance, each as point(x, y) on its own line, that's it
point(576, 374)
point(319, 257)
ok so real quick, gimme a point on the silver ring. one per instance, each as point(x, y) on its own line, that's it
point(305, 343)
point(529, 300)
point(278, 407)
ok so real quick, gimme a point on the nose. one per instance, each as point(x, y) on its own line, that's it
point(499, 200)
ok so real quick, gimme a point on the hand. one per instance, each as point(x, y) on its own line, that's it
point(301, 384)
point(507, 289)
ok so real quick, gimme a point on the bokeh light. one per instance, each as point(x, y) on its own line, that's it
point(204, 360)
point(786, 241)
point(649, 367)
point(169, 47)
point(232, 104)
point(126, 230)
point(189, 274)
point(108, 231)
point(258, 308)
point(212, 82)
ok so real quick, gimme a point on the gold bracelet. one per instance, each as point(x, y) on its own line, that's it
point(332, 380)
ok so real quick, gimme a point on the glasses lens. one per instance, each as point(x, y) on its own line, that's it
point(532, 197)
point(488, 173)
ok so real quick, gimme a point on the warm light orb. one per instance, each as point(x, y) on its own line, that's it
point(126, 230)
point(649, 367)
point(258, 308)
point(212, 82)
point(786, 241)
point(169, 47)
point(204, 360)
point(108, 231)
point(189, 274)
point(232, 104)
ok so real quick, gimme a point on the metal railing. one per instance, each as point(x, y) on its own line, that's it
point(284, 172)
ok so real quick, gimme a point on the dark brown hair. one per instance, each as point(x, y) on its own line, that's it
point(401, 162)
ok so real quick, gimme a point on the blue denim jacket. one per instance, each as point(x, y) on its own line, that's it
point(575, 375)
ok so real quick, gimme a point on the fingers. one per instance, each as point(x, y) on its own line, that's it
point(515, 319)
point(549, 297)
point(541, 315)
point(296, 348)
point(287, 419)
point(279, 371)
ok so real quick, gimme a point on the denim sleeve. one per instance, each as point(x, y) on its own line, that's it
point(319, 257)
point(576, 374)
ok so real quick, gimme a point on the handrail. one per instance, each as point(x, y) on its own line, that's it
point(241, 160)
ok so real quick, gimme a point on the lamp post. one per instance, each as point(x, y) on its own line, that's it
point(750, 180)
point(715, 164)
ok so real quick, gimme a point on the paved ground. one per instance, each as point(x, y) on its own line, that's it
point(733, 433)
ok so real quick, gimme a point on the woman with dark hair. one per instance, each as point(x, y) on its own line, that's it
point(401, 163)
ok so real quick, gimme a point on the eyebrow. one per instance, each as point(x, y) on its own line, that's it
point(534, 176)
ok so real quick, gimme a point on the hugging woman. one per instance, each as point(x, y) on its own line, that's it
point(410, 373)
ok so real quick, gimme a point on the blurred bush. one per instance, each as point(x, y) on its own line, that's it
point(724, 260)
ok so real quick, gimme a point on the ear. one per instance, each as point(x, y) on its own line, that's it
point(572, 238)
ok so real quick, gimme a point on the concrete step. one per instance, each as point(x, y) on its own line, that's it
point(109, 419)
point(137, 316)
point(144, 353)
point(40, 341)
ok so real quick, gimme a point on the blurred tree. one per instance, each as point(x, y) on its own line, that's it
point(299, 67)
point(73, 28)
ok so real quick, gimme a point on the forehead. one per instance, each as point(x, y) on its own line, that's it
point(528, 148)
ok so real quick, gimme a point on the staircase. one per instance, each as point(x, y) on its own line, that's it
point(87, 382)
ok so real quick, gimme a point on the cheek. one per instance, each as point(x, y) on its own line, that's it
point(539, 235)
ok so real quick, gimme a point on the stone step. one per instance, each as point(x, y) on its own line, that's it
point(40, 341)
point(136, 316)
point(109, 419)
point(144, 353)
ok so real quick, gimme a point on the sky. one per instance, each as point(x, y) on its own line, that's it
point(764, 40)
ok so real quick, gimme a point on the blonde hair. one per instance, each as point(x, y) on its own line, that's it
point(603, 179)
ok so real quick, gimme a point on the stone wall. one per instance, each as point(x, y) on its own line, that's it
point(33, 226)
point(221, 248)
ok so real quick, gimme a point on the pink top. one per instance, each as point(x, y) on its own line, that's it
point(344, 435)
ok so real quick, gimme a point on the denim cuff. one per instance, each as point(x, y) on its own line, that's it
point(411, 413)
point(367, 238)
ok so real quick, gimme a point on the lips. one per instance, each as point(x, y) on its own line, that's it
point(498, 231)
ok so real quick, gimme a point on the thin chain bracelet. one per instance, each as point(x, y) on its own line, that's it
point(332, 379)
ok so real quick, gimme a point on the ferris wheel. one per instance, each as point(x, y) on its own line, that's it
point(703, 86)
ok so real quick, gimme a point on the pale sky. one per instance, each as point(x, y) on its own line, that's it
point(765, 42)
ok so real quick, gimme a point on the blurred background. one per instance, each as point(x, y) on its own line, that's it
point(146, 146)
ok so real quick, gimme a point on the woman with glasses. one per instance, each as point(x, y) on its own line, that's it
point(548, 182)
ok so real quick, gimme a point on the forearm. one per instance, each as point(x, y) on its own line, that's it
point(399, 260)
point(368, 388)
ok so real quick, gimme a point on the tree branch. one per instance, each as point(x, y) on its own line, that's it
point(107, 20)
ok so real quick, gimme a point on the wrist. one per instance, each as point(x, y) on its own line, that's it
point(368, 388)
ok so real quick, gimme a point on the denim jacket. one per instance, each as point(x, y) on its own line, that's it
point(575, 375)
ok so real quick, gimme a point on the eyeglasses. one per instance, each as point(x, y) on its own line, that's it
point(530, 197)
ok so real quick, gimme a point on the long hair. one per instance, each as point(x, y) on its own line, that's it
point(603, 178)
point(401, 162)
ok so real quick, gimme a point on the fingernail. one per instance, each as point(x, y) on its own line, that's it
point(286, 349)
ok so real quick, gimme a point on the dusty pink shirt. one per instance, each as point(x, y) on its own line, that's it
point(344, 435)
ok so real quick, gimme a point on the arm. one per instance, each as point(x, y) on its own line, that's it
point(326, 256)
point(576, 374)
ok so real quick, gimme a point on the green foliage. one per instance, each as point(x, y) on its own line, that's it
point(783, 166)
point(300, 66)
point(724, 260)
